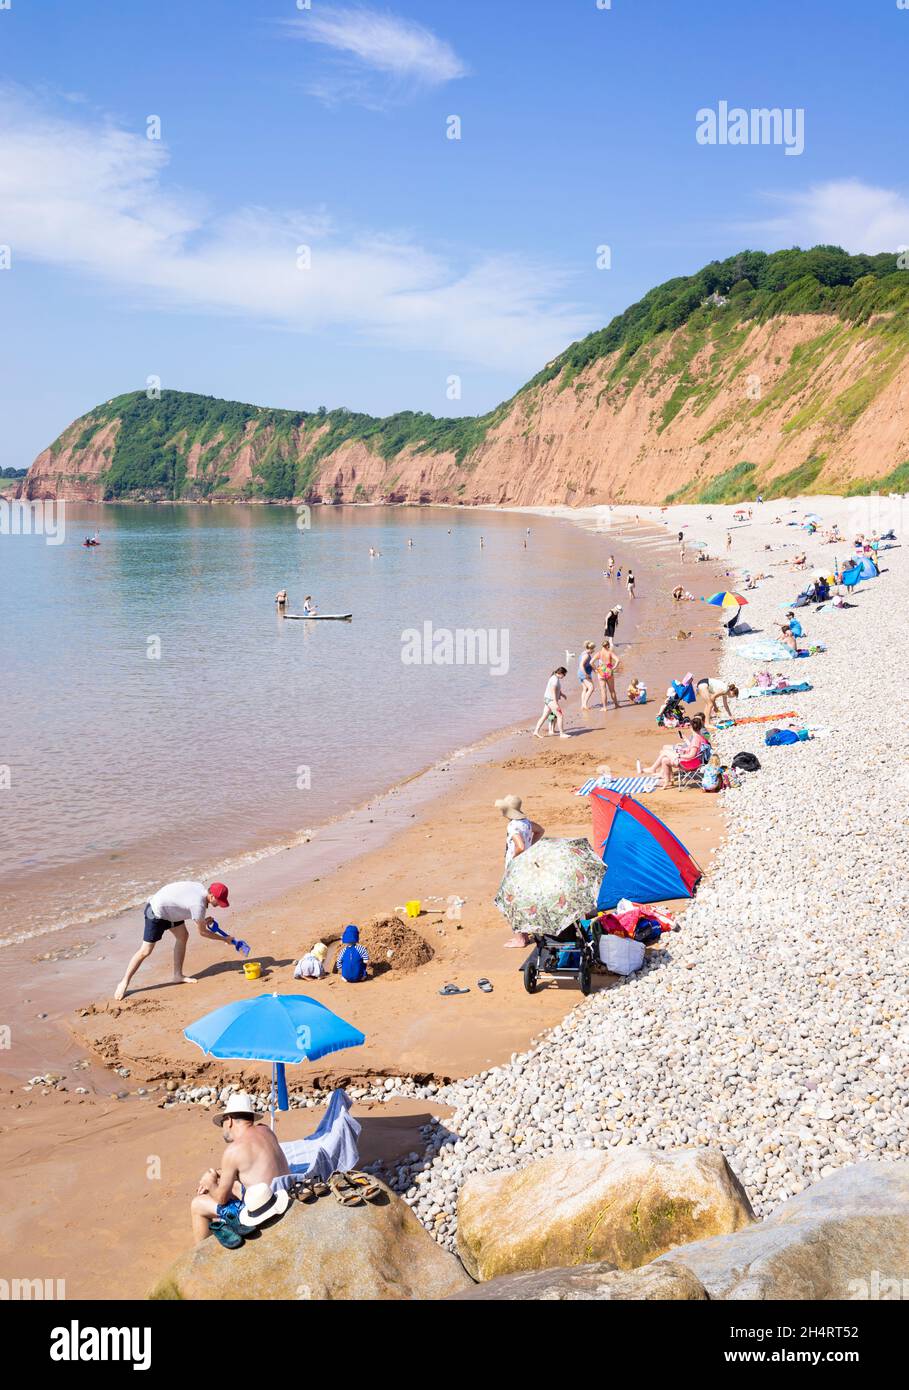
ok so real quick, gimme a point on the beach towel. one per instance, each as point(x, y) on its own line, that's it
point(768, 650)
point(331, 1148)
point(756, 719)
point(754, 691)
point(627, 786)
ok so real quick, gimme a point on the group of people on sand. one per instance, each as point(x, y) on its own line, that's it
point(240, 1194)
point(595, 665)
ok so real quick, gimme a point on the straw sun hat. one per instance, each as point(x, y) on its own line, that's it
point(261, 1204)
point(510, 806)
point(238, 1107)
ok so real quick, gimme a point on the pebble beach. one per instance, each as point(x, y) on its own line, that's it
point(775, 1025)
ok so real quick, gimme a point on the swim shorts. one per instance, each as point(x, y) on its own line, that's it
point(155, 927)
point(231, 1208)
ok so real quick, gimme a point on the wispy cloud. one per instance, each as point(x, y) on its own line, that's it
point(843, 212)
point(368, 42)
point(94, 198)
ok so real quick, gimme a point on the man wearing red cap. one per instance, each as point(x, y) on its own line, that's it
point(169, 910)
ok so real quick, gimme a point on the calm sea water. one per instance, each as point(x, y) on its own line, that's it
point(128, 768)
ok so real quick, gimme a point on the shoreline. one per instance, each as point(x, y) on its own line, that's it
point(451, 845)
point(131, 892)
point(63, 972)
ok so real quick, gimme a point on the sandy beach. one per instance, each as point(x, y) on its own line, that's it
point(437, 839)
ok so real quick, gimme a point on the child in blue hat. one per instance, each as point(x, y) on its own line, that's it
point(352, 960)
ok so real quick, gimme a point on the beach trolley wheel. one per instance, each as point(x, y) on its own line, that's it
point(530, 976)
point(584, 974)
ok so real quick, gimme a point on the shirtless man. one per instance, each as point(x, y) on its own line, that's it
point(252, 1155)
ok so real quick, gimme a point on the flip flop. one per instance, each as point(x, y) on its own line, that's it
point(453, 989)
point(484, 985)
point(226, 1236)
point(362, 1181)
point(345, 1191)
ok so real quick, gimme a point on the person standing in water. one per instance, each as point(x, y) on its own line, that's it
point(585, 674)
point(551, 703)
point(169, 910)
point(606, 664)
point(610, 566)
point(612, 619)
point(281, 602)
point(630, 583)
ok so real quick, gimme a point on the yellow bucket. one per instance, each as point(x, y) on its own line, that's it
point(413, 908)
point(252, 969)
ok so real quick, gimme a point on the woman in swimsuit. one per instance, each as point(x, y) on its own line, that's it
point(585, 674)
point(606, 665)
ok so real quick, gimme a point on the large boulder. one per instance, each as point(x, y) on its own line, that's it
point(626, 1207)
point(323, 1251)
point(846, 1237)
point(589, 1283)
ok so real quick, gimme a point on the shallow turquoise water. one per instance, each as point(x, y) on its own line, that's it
point(127, 771)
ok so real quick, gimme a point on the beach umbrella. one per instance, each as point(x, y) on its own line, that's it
point(550, 886)
point(727, 599)
point(276, 1028)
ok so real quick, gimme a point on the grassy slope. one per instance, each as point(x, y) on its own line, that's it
point(154, 436)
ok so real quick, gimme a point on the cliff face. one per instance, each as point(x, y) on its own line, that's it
point(718, 408)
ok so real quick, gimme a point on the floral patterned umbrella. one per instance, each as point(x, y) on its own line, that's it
point(550, 886)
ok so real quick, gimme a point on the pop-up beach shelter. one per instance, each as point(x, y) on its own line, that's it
point(644, 860)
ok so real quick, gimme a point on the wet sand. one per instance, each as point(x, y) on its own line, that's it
point(437, 837)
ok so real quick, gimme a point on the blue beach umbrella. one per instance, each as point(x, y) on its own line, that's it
point(276, 1028)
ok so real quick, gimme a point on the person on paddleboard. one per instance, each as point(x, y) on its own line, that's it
point(309, 608)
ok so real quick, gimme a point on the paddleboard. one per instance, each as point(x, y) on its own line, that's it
point(319, 617)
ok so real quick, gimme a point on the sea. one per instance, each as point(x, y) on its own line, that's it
point(161, 720)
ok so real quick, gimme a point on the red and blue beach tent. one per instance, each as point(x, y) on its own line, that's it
point(644, 860)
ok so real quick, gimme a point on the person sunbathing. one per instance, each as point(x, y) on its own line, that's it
point(687, 755)
point(252, 1154)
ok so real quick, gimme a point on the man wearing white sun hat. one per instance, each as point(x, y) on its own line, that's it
point(234, 1192)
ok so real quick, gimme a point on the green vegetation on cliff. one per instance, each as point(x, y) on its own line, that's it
point(181, 444)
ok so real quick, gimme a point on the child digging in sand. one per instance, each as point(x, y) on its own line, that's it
point(352, 960)
point(312, 965)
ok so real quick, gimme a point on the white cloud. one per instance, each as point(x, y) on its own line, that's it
point(843, 212)
point(93, 198)
point(364, 39)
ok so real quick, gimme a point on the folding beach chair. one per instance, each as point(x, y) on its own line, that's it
point(687, 777)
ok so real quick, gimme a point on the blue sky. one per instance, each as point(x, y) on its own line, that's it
point(283, 127)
